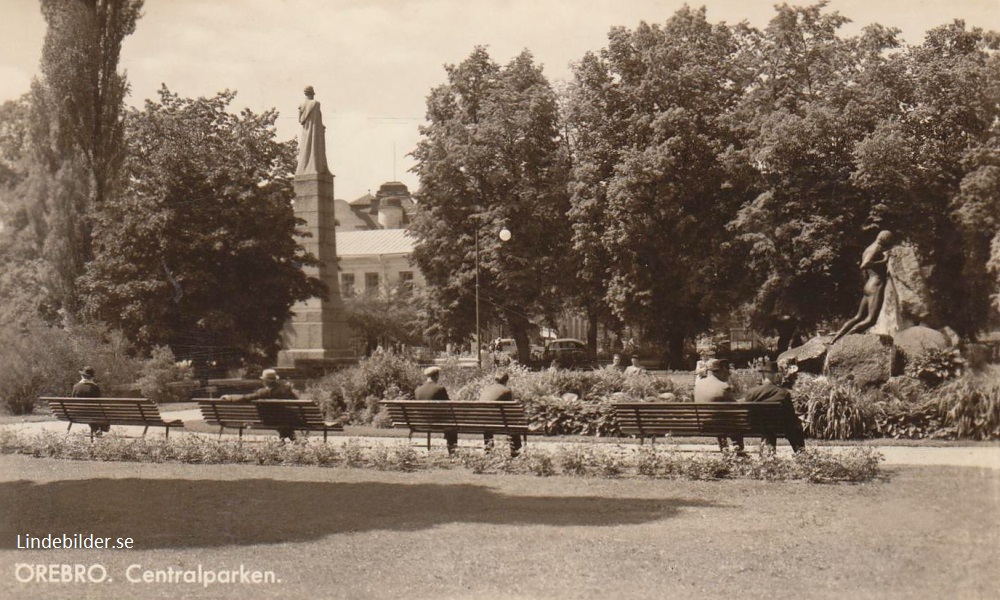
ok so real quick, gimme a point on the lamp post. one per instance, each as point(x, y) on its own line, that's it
point(504, 237)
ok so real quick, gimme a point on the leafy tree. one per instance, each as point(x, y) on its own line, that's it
point(198, 251)
point(594, 119)
point(491, 156)
point(650, 188)
point(804, 224)
point(932, 169)
point(392, 316)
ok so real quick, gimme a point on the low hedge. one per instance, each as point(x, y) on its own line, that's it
point(858, 464)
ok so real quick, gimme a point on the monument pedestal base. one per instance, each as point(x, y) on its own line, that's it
point(317, 338)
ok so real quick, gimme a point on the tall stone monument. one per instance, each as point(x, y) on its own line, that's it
point(317, 336)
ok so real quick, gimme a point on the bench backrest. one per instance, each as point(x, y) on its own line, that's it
point(700, 418)
point(437, 416)
point(122, 411)
point(297, 414)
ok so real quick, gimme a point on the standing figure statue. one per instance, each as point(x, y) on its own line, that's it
point(875, 266)
point(312, 144)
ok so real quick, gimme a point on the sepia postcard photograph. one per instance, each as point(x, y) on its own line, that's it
point(506, 299)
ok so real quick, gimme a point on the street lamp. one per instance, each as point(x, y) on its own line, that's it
point(504, 237)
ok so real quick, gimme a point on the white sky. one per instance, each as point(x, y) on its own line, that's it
point(373, 62)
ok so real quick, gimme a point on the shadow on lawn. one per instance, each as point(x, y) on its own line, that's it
point(180, 513)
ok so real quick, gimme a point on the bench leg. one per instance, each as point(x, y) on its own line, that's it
point(145, 430)
point(428, 440)
point(324, 436)
point(220, 432)
point(70, 427)
point(166, 434)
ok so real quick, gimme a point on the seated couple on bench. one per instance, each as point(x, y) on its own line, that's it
point(495, 392)
point(712, 385)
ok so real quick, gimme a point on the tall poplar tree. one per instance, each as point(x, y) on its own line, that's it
point(76, 114)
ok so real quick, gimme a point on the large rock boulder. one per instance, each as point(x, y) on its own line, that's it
point(810, 356)
point(913, 341)
point(906, 301)
point(864, 357)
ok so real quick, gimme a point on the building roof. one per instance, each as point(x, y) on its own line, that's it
point(365, 200)
point(374, 242)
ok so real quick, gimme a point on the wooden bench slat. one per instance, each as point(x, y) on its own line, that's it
point(300, 415)
point(436, 416)
point(700, 418)
point(109, 411)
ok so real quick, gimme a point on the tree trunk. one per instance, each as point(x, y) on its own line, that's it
point(519, 331)
point(592, 322)
point(675, 347)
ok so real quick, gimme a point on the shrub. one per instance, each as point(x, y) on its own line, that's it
point(815, 465)
point(835, 409)
point(969, 407)
point(164, 379)
point(357, 390)
point(935, 365)
point(40, 360)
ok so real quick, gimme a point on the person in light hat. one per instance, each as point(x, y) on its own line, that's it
point(714, 387)
point(432, 390)
point(770, 391)
point(274, 389)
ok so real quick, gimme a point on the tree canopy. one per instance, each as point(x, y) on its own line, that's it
point(491, 156)
point(198, 252)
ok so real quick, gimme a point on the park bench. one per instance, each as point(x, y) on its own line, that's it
point(104, 412)
point(439, 416)
point(300, 415)
point(687, 419)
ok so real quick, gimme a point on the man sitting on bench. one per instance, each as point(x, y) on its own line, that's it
point(499, 392)
point(273, 389)
point(88, 388)
point(770, 391)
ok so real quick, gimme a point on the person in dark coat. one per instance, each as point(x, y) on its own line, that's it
point(770, 391)
point(432, 390)
point(499, 392)
point(87, 388)
point(274, 389)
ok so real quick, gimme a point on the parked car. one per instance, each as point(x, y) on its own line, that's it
point(567, 353)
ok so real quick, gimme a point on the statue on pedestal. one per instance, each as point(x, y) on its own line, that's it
point(312, 143)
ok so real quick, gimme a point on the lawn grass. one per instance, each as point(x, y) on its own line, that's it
point(342, 533)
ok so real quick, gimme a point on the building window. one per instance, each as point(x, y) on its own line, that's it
point(371, 283)
point(406, 281)
point(347, 284)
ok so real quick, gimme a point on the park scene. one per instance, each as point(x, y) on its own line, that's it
point(427, 299)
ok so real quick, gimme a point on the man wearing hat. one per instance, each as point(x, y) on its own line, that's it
point(714, 387)
point(498, 391)
point(88, 388)
point(432, 390)
point(770, 391)
point(274, 389)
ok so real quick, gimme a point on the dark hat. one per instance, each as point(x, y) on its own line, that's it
point(768, 366)
point(88, 372)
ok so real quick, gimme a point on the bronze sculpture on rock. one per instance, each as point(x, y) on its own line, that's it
point(874, 264)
